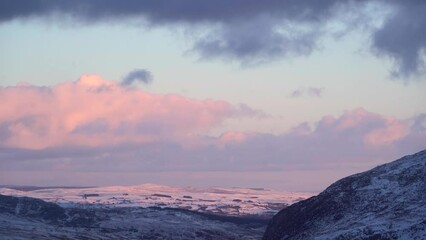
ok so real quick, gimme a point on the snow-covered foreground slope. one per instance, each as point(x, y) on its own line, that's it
point(223, 201)
point(387, 202)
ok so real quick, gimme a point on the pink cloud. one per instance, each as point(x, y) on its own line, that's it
point(93, 111)
point(232, 138)
point(354, 118)
point(102, 126)
point(374, 129)
point(391, 132)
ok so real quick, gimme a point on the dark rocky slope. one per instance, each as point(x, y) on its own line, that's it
point(387, 202)
point(30, 218)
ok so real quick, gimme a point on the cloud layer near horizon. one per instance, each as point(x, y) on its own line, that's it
point(253, 32)
point(97, 125)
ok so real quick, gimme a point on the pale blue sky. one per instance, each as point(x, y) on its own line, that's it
point(350, 76)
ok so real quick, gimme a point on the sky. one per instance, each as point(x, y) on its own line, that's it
point(290, 95)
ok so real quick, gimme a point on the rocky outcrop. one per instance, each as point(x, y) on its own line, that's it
point(32, 208)
point(387, 202)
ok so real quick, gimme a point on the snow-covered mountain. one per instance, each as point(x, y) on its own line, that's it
point(387, 202)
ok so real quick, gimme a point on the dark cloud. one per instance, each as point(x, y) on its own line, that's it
point(251, 31)
point(256, 41)
point(248, 31)
point(137, 75)
point(163, 11)
point(307, 91)
point(403, 38)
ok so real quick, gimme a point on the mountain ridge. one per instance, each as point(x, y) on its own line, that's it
point(386, 202)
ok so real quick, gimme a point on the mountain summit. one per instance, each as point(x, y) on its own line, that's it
point(386, 202)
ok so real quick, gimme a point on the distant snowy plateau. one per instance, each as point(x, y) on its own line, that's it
point(146, 211)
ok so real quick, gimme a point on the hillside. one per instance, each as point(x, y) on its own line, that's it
point(386, 202)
